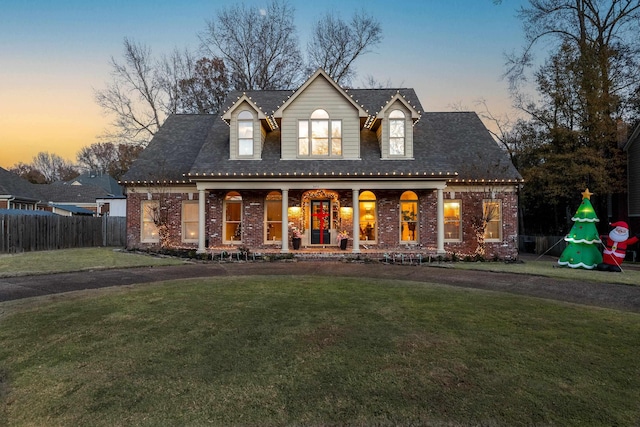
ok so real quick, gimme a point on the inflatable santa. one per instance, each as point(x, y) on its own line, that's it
point(615, 246)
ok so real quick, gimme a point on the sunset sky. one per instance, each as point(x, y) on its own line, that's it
point(54, 54)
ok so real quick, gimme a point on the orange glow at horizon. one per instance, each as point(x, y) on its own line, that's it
point(58, 129)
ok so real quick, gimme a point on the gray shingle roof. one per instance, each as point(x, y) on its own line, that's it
point(374, 100)
point(267, 100)
point(12, 185)
point(100, 180)
point(453, 144)
point(174, 148)
point(60, 192)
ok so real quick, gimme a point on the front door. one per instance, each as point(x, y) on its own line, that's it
point(320, 221)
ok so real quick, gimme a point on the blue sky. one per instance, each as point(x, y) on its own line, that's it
point(54, 53)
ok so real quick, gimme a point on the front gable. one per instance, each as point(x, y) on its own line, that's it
point(320, 74)
point(317, 104)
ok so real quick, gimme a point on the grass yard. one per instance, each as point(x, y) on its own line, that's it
point(65, 260)
point(314, 351)
point(629, 276)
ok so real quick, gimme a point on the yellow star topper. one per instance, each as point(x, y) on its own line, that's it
point(586, 194)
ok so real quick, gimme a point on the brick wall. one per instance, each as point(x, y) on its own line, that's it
point(507, 247)
point(388, 222)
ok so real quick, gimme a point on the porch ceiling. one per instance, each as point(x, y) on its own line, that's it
point(368, 183)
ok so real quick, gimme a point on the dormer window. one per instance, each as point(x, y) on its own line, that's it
point(397, 133)
point(319, 136)
point(245, 133)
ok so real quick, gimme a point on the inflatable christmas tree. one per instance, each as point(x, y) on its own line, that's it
point(582, 251)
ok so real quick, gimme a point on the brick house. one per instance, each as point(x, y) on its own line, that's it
point(320, 160)
point(18, 194)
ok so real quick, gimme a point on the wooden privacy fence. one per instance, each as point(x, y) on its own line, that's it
point(22, 233)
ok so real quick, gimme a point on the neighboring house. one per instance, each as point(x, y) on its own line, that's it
point(112, 206)
point(17, 193)
point(101, 180)
point(632, 147)
point(89, 194)
point(114, 203)
point(324, 159)
point(69, 199)
point(70, 210)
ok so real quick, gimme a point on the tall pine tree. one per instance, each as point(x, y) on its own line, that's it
point(582, 251)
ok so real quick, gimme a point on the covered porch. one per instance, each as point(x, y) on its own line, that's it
point(313, 209)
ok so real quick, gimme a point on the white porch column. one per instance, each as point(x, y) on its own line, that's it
point(440, 222)
point(356, 221)
point(201, 222)
point(285, 221)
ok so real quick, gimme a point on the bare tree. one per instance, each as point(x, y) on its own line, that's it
point(502, 127)
point(370, 82)
point(134, 96)
point(109, 158)
point(53, 167)
point(205, 89)
point(127, 153)
point(97, 157)
point(28, 172)
point(258, 46)
point(335, 44)
point(591, 26)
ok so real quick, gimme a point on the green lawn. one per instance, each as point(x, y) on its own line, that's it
point(65, 260)
point(629, 276)
point(314, 351)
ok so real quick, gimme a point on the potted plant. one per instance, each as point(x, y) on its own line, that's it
point(343, 238)
point(296, 237)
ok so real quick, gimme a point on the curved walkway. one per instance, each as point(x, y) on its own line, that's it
point(622, 297)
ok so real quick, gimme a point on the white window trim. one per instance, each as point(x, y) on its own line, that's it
point(416, 221)
point(246, 120)
point(404, 133)
point(330, 139)
point(184, 222)
point(143, 208)
point(375, 218)
point(459, 236)
point(224, 223)
point(499, 220)
point(266, 224)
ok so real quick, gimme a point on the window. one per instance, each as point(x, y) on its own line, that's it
point(232, 218)
point(319, 136)
point(190, 221)
point(368, 216)
point(273, 217)
point(452, 229)
point(408, 217)
point(245, 133)
point(149, 230)
point(396, 133)
point(492, 214)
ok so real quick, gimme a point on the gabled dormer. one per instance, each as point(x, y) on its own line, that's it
point(320, 121)
point(247, 129)
point(395, 133)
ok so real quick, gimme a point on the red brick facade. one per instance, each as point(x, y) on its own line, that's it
point(387, 219)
